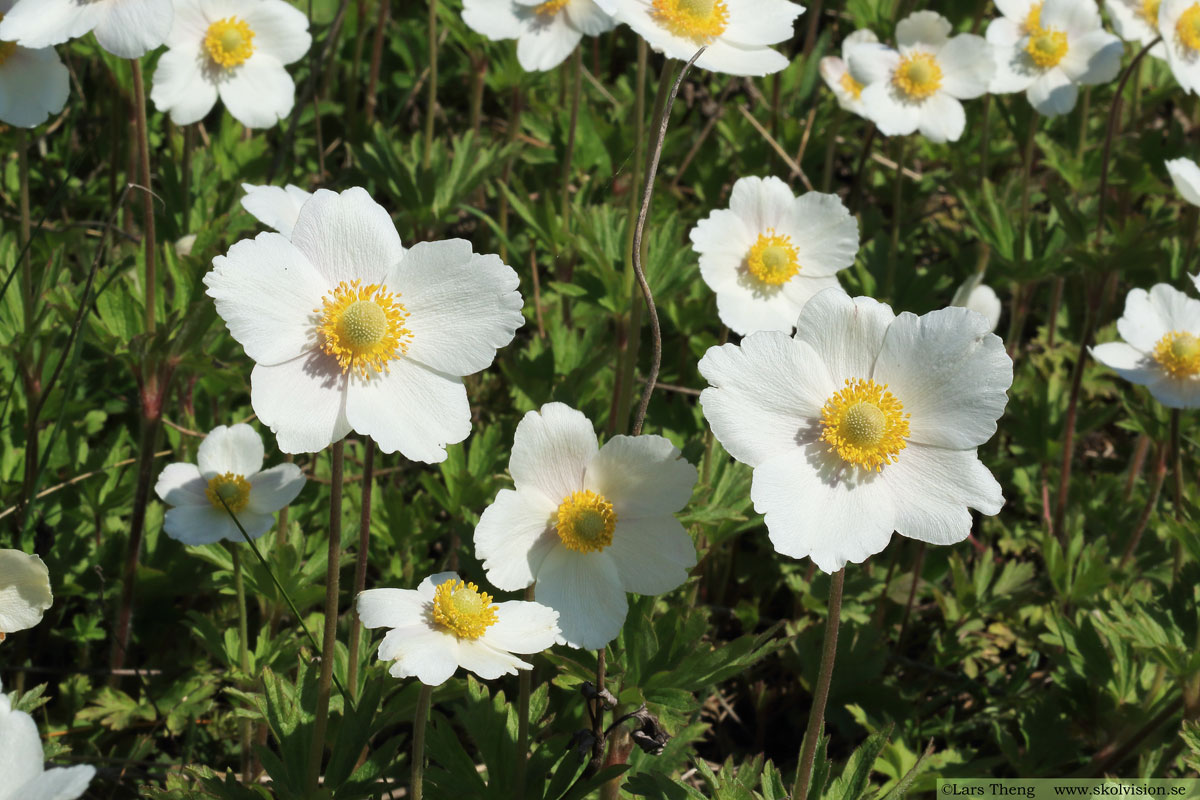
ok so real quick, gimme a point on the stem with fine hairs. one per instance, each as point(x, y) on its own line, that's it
point(431, 101)
point(329, 645)
point(816, 717)
point(416, 787)
point(143, 149)
point(360, 569)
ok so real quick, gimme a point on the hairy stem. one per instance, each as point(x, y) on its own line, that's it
point(816, 717)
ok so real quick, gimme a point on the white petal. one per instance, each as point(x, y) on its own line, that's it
point(732, 59)
point(1003, 32)
point(280, 30)
point(950, 372)
point(765, 394)
point(816, 506)
point(411, 408)
point(181, 485)
point(653, 555)
point(33, 85)
point(1149, 316)
point(21, 756)
point(131, 28)
point(872, 63)
point(428, 587)
point(642, 476)
point(347, 236)
point(494, 19)
point(762, 203)
point(204, 524)
point(1015, 71)
point(546, 43)
point(462, 306)
point(60, 783)
point(180, 88)
point(42, 23)
point(551, 451)
point(24, 594)
point(585, 589)
point(860, 36)
point(273, 489)
point(1072, 16)
point(428, 655)
point(259, 93)
point(237, 449)
point(890, 112)
point(1177, 392)
point(1016, 10)
point(390, 608)
point(302, 401)
point(847, 335)
point(514, 536)
point(968, 63)
point(923, 27)
point(942, 118)
point(274, 206)
point(1130, 363)
point(587, 17)
point(1185, 174)
point(761, 22)
point(522, 627)
point(266, 291)
point(723, 233)
point(824, 233)
point(1093, 58)
point(487, 662)
point(747, 306)
point(983, 300)
point(932, 488)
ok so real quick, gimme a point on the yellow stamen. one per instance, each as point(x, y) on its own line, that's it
point(462, 609)
point(865, 424)
point(1179, 354)
point(699, 20)
point(363, 327)
point(229, 42)
point(1150, 12)
point(851, 86)
point(550, 8)
point(1047, 47)
point(233, 489)
point(773, 259)
point(586, 521)
point(1033, 21)
point(1188, 28)
point(918, 75)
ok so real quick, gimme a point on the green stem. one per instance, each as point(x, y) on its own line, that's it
point(329, 646)
point(524, 685)
point(417, 787)
point(364, 546)
point(148, 234)
point(243, 652)
point(816, 717)
point(569, 156)
point(897, 209)
point(431, 102)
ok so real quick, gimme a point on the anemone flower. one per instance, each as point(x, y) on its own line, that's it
point(22, 762)
point(546, 31)
point(24, 591)
point(125, 28)
point(33, 81)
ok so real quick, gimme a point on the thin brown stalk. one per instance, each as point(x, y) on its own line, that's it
point(569, 157)
point(431, 97)
point(597, 759)
point(1136, 462)
point(381, 24)
point(148, 233)
point(360, 567)
point(816, 716)
point(1157, 479)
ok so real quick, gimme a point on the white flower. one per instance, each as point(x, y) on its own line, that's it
point(1017, 19)
point(862, 424)
point(274, 207)
point(33, 81)
point(235, 50)
point(1137, 21)
point(24, 593)
point(546, 32)
point(979, 298)
point(770, 251)
point(836, 72)
point(737, 33)
point(21, 762)
point(1185, 174)
point(1066, 50)
point(445, 624)
point(349, 331)
point(125, 28)
point(1179, 24)
point(1161, 351)
point(230, 467)
point(587, 523)
point(919, 87)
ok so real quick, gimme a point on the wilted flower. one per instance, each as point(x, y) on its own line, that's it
point(277, 208)
point(125, 28)
point(1161, 351)
point(445, 624)
point(22, 758)
point(737, 33)
point(770, 251)
point(546, 32)
point(1066, 49)
point(24, 592)
point(33, 81)
point(235, 50)
point(1185, 174)
point(836, 73)
point(586, 524)
point(349, 331)
point(919, 87)
point(862, 424)
point(229, 468)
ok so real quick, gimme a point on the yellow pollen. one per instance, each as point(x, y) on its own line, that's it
point(550, 7)
point(585, 522)
point(1150, 12)
point(1047, 47)
point(462, 609)
point(233, 489)
point(699, 20)
point(229, 42)
point(1188, 28)
point(1033, 21)
point(865, 424)
point(918, 75)
point(851, 86)
point(773, 259)
point(363, 327)
point(1179, 354)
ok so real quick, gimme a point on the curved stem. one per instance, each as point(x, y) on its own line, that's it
point(360, 567)
point(1157, 478)
point(639, 235)
point(417, 786)
point(816, 717)
point(329, 645)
